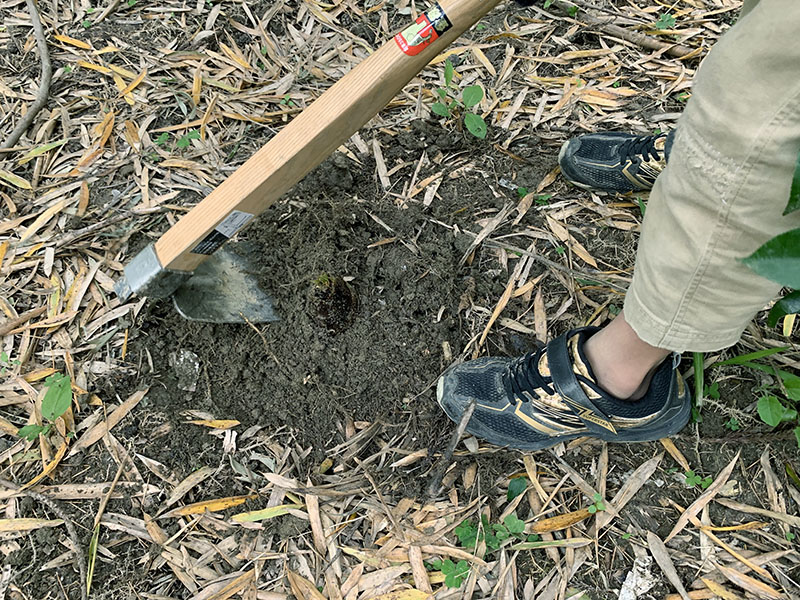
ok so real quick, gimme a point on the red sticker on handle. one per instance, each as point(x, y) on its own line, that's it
point(424, 31)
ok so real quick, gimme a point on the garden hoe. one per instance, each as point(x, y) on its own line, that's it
point(215, 286)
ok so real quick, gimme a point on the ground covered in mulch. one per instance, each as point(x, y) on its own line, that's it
point(296, 458)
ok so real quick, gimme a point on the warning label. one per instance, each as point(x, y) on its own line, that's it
point(424, 31)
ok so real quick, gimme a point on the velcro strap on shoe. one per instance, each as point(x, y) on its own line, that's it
point(567, 385)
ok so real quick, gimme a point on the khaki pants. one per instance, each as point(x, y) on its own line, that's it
point(725, 188)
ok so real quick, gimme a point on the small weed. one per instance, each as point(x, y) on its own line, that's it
point(712, 391)
point(186, 140)
point(548, 3)
point(790, 536)
point(480, 27)
point(86, 23)
point(131, 3)
point(693, 480)
point(449, 103)
point(616, 84)
point(561, 250)
point(665, 21)
point(683, 96)
point(162, 139)
point(572, 11)
point(454, 573)
point(543, 199)
point(598, 504)
point(287, 101)
point(732, 424)
point(626, 536)
point(522, 191)
point(56, 402)
point(6, 364)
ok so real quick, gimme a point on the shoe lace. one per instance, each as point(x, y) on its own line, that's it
point(640, 147)
point(523, 375)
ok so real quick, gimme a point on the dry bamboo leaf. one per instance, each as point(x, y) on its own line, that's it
point(266, 513)
point(43, 218)
point(630, 488)
point(16, 525)
point(670, 447)
point(215, 505)
point(215, 423)
point(317, 531)
point(222, 590)
point(575, 542)
point(134, 84)
point(49, 468)
point(408, 594)
point(188, 483)
point(99, 430)
point(73, 42)
point(14, 180)
point(661, 554)
point(753, 510)
point(302, 588)
point(747, 583)
point(418, 570)
point(720, 590)
point(704, 498)
point(88, 491)
point(560, 522)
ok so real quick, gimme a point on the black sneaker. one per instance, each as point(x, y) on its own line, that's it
point(615, 162)
point(549, 396)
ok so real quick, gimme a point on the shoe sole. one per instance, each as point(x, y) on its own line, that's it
point(673, 420)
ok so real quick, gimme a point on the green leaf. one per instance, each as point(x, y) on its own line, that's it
point(626, 535)
point(744, 358)
point(797, 435)
point(4, 357)
point(467, 534)
point(514, 523)
point(665, 21)
point(58, 397)
point(30, 432)
point(449, 71)
point(516, 486)
point(440, 109)
point(548, 3)
point(455, 574)
point(501, 533)
point(771, 410)
point(787, 305)
point(476, 125)
point(794, 195)
point(712, 391)
point(600, 505)
point(184, 142)
point(162, 139)
point(592, 509)
point(522, 191)
point(572, 11)
point(597, 497)
point(442, 93)
point(472, 95)
point(778, 259)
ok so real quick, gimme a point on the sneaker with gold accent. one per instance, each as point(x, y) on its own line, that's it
point(549, 396)
point(615, 162)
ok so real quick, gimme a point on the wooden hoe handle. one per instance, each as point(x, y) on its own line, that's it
point(311, 137)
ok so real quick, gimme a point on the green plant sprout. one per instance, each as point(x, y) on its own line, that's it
point(287, 101)
point(732, 424)
point(543, 199)
point(470, 97)
point(693, 480)
point(186, 140)
point(522, 191)
point(665, 21)
point(598, 505)
point(5, 363)
point(454, 573)
point(55, 403)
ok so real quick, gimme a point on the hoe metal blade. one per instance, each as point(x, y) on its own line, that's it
point(224, 290)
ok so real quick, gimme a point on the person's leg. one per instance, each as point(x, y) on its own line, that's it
point(721, 196)
point(724, 190)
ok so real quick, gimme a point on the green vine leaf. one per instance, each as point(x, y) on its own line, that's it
point(778, 259)
point(787, 305)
